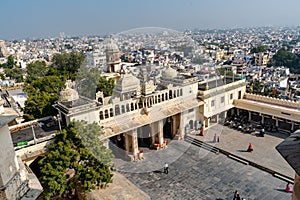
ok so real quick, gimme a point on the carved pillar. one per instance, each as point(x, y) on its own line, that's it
point(135, 147)
point(126, 142)
point(249, 113)
point(173, 125)
point(153, 133)
point(181, 125)
point(293, 126)
point(160, 131)
point(262, 119)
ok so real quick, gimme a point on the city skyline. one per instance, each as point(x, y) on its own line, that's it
point(47, 19)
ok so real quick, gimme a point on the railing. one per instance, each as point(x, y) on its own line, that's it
point(272, 100)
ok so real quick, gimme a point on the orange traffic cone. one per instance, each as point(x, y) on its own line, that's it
point(250, 148)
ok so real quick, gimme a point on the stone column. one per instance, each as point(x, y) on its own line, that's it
point(262, 119)
point(293, 126)
point(153, 133)
point(238, 111)
point(249, 113)
point(181, 125)
point(135, 146)
point(217, 118)
point(173, 125)
point(276, 122)
point(225, 114)
point(232, 111)
point(126, 142)
point(161, 131)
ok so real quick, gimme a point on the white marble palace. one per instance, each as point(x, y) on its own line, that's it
point(144, 111)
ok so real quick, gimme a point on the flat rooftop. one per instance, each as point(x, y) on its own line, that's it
point(217, 83)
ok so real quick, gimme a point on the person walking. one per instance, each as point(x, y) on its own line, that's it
point(236, 196)
point(166, 168)
point(215, 138)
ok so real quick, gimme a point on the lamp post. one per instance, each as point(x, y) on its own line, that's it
point(58, 119)
point(33, 133)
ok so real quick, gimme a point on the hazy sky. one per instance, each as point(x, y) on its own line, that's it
point(42, 18)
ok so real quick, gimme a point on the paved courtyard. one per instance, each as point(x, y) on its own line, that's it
point(236, 142)
point(198, 174)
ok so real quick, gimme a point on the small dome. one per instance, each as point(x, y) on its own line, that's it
point(111, 46)
point(68, 94)
point(128, 83)
point(169, 73)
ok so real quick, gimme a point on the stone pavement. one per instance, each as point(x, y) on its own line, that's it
point(120, 189)
point(236, 142)
point(199, 174)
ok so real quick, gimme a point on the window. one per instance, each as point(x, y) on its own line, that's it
point(101, 115)
point(222, 99)
point(231, 96)
point(117, 110)
point(212, 103)
point(111, 112)
point(106, 114)
point(123, 109)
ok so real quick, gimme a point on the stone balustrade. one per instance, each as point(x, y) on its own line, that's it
point(272, 100)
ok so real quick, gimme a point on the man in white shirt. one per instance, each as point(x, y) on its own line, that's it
point(166, 168)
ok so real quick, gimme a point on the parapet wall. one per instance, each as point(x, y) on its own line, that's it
point(272, 100)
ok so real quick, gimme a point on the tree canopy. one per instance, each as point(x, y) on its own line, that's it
point(77, 162)
point(106, 86)
point(43, 83)
point(258, 49)
point(68, 63)
point(287, 59)
point(35, 70)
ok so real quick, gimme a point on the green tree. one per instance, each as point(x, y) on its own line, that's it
point(35, 70)
point(77, 162)
point(2, 76)
point(10, 62)
point(87, 79)
point(258, 49)
point(14, 73)
point(287, 59)
point(68, 63)
point(106, 86)
point(42, 92)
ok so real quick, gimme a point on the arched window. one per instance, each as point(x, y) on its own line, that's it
point(123, 109)
point(106, 114)
point(166, 96)
point(162, 97)
point(117, 110)
point(174, 93)
point(155, 100)
point(170, 94)
point(178, 93)
point(181, 92)
point(132, 107)
point(101, 115)
point(158, 99)
point(127, 107)
point(111, 112)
